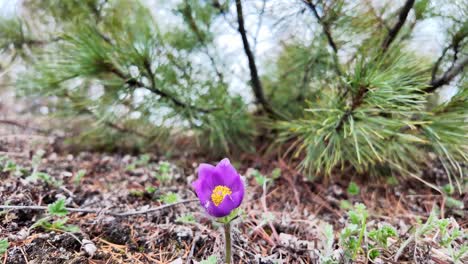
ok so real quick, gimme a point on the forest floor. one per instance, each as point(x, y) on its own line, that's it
point(289, 219)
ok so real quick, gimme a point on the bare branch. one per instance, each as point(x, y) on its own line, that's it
point(397, 27)
point(194, 27)
point(327, 31)
point(255, 79)
point(99, 210)
point(448, 76)
point(326, 28)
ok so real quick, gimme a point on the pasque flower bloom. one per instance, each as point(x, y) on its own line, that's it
point(220, 189)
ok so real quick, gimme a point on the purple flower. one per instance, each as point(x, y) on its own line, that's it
point(220, 189)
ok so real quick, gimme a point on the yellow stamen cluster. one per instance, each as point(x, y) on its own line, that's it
point(219, 193)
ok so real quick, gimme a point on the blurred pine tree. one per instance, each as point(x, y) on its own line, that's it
point(349, 92)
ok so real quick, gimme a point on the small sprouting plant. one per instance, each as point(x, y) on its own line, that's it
point(3, 246)
point(447, 231)
point(169, 198)
point(326, 256)
point(143, 160)
point(45, 177)
point(186, 219)
point(79, 176)
point(353, 189)
point(11, 167)
point(353, 234)
point(381, 235)
point(150, 189)
point(448, 189)
point(56, 219)
point(345, 205)
point(163, 173)
point(262, 179)
point(37, 175)
point(392, 181)
point(210, 260)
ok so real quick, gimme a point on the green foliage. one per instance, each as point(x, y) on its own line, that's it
point(3, 246)
point(142, 161)
point(58, 208)
point(79, 176)
point(150, 189)
point(10, 166)
point(352, 235)
point(210, 260)
point(169, 198)
point(381, 235)
point(124, 77)
point(353, 189)
point(186, 219)
point(56, 219)
point(261, 179)
point(163, 173)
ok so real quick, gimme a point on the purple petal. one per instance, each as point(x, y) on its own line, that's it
point(228, 175)
point(204, 185)
point(229, 203)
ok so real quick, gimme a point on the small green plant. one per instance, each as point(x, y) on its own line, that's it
point(137, 193)
point(392, 181)
point(353, 189)
point(326, 256)
point(150, 189)
point(210, 260)
point(381, 235)
point(448, 189)
point(45, 177)
point(11, 167)
point(262, 179)
point(37, 175)
point(163, 173)
point(143, 160)
point(169, 198)
point(186, 219)
point(352, 235)
point(79, 176)
point(3, 246)
point(345, 205)
point(56, 219)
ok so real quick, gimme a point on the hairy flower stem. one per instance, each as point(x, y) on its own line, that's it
point(227, 237)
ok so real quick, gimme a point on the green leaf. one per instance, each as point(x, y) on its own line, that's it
point(3, 245)
point(210, 260)
point(58, 208)
point(276, 173)
point(186, 219)
point(353, 188)
point(454, 203)
point(79, 176)
point(169, 198)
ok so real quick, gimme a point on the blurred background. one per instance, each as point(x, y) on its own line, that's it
point(229, 77)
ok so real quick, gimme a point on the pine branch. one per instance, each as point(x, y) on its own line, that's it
point(255, 79)
point(135, 83)
point(448, 76)
point(325, 26)
point(194, 27)
point(454, 68)
point(327, 31)
point(397, 27)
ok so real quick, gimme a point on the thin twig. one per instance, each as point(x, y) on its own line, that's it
point(399, 24)
point(254, 78)
point(98, 210)
point(327, 31)
point(448, 76)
